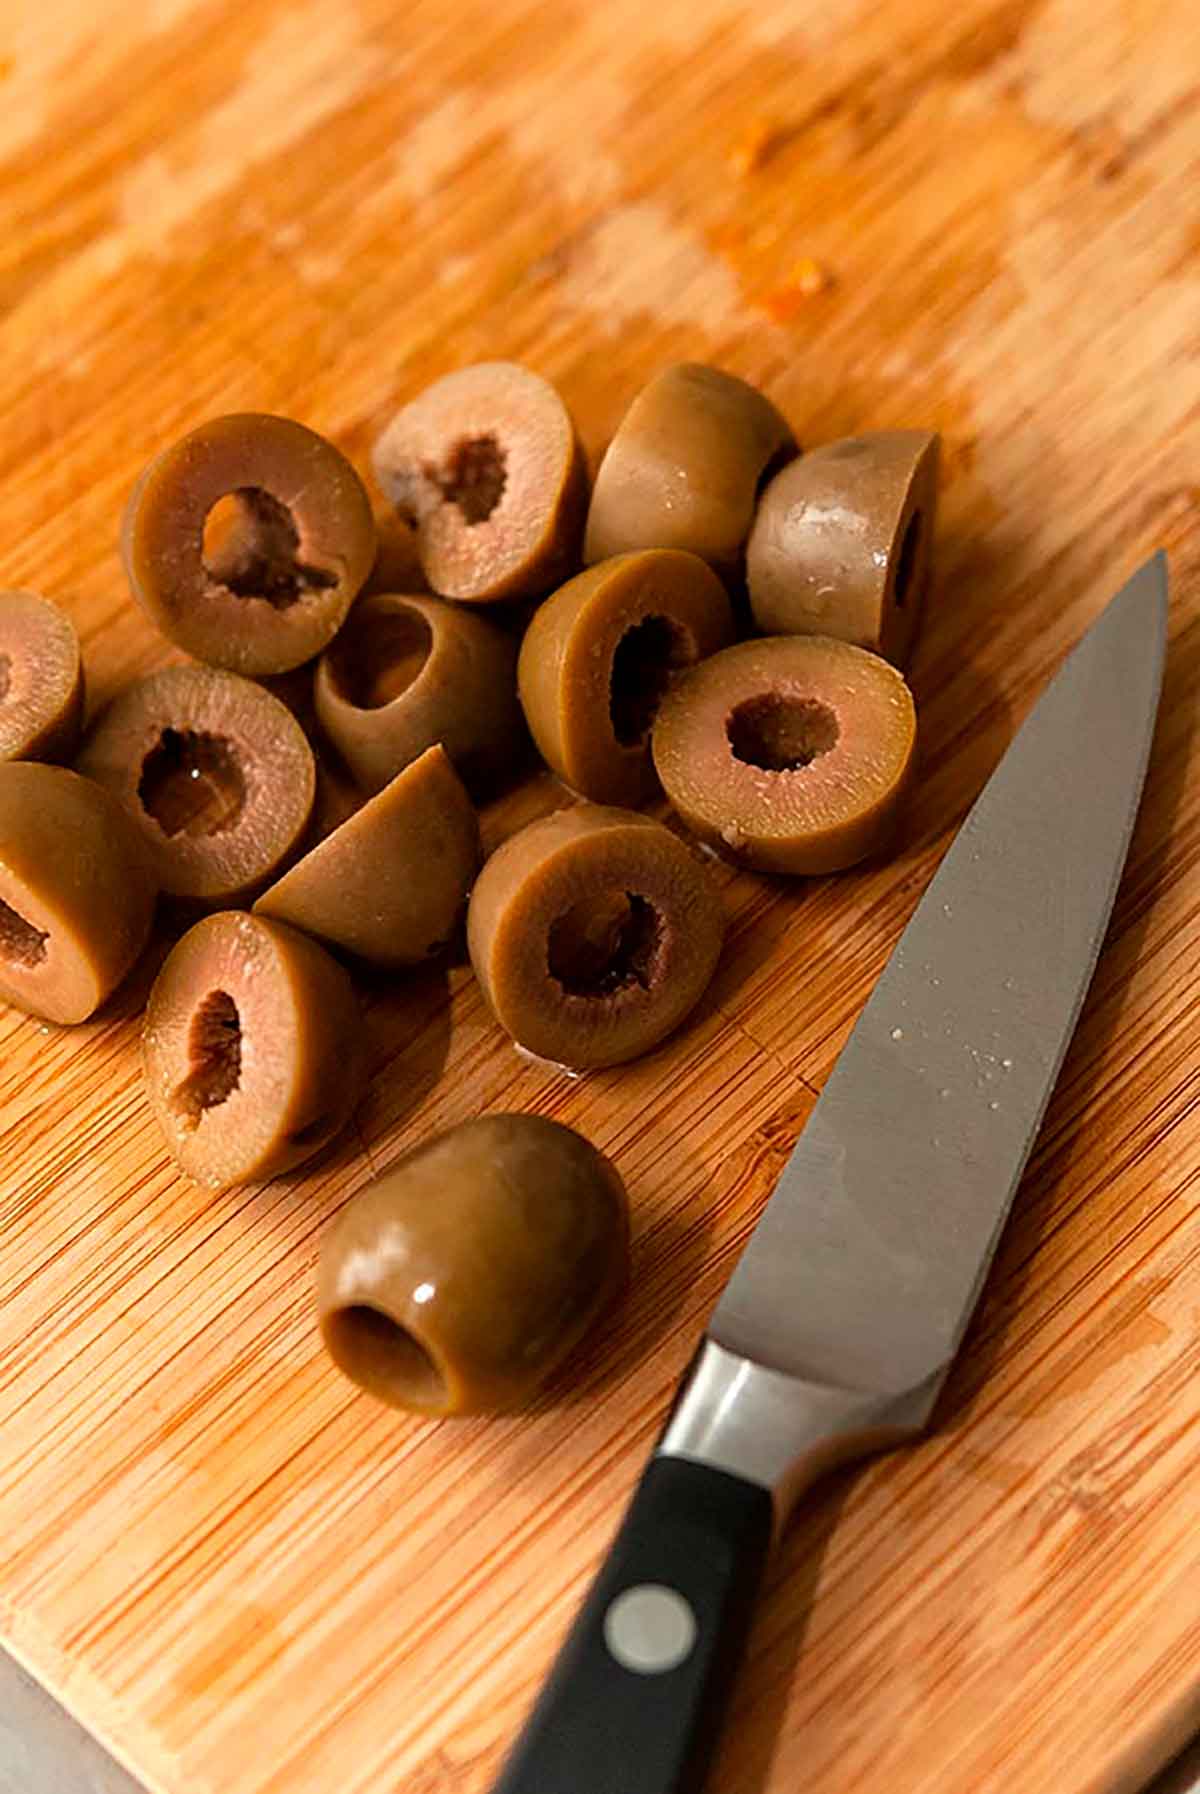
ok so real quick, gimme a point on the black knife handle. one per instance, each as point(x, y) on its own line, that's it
point(675, 1594)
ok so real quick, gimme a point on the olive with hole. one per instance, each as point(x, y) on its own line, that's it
point(252, 1049)
point(791, 754)
point(486, 466)
point(408, 672)
point(599, 655)
point(247, 542)
point(77, 892)
point(685, 466)
point(841, 542)
point(390, 884)
point(41, 679)
point(217, 774)
point(593, 933)
point(459, 1280)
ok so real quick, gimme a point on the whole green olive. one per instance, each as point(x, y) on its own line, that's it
point(457, 1281)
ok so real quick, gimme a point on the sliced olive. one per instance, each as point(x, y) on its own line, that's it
point(408, 672)
point(41, 679)
point(76, 892)
point(685, 466)
point(841, 542)
point(252, 1049)
point(486, 465)
point(247, 541)
point(391, 883)
point(460, 1279)
point(593, 933)
point(599, 655)
point(216, 772)
point(791, 754)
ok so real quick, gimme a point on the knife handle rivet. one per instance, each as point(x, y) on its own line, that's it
point(650, 1629)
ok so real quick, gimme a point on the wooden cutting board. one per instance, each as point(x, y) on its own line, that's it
point(982, 217)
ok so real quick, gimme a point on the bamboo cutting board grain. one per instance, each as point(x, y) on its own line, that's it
point(247, 1577)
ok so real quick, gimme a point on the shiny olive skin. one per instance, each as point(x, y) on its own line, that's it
point(459, 1280)
point(77, 891)
point(841, 542)
point(685, 466)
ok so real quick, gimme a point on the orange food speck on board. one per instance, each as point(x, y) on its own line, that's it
point(806, 280)
point(754, 146)
point(7, 66)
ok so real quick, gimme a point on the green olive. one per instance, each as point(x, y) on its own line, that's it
point(458, 1281)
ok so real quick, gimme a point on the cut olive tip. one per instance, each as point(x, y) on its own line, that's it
point(390, 884)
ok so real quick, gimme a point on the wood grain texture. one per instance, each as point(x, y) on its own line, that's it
point(247, 1577)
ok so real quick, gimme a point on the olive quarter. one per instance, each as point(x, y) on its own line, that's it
point(459, 1280)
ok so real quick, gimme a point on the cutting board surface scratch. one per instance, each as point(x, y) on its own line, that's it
point(247, 1577)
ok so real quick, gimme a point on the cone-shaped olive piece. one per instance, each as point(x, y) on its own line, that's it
point(252, 1049)
point(486, 465)
point(460, 1279)
point(408, 672)
point(216, 772)
point(593, 933)
point(685, 466)
point(41, 679)
point(76, 892)
point(391, 883)
point(791, 754)
point(247, 541)
point(841, 542)
point(599, 655)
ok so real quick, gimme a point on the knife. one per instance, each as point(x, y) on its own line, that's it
point(838, 1327)
point(43, 1750)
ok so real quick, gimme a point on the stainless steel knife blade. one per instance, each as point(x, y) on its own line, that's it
point(841, 1319)
point(865, 1267)
point(43, 1750)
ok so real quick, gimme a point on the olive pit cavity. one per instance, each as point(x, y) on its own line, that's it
point(604, 944)
point(645, 658)
point(214, 1051)
point(778, 733)
point(473, 476)
point(377, 658)
point(192, 783)
point(21, 944)
point(252, 549)
point(374, 1349)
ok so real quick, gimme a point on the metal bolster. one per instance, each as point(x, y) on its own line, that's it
point(780, 1431)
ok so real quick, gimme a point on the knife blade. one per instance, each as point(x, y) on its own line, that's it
point(842, 1317)
point(44, 1749)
